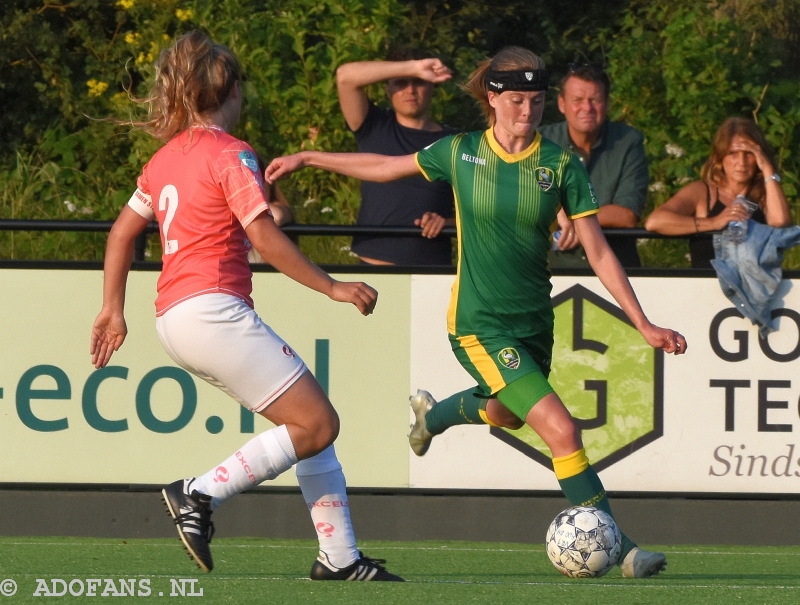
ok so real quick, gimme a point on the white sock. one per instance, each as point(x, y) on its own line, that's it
point(323, 485)
point(264, 457)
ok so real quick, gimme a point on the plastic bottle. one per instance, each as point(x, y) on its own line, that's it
point(556, 237)
point(737, 230)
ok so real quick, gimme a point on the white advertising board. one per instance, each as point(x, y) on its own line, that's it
point(143, 420)
point(724, 417)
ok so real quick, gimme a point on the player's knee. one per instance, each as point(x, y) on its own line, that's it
point(508, 420)
point(515, 423)
point(325, 430)
point(501, 416)
point(563, 436)
point(570, 436)
point(333, 428)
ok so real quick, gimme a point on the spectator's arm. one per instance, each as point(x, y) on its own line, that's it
point(433, 223)
point(776, 208)
point(614, 217)
point(351, 78)
point(631, 194)
point(685, 213)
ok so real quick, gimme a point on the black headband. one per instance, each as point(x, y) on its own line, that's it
point(531, 79)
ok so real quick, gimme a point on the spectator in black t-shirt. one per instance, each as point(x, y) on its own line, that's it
point(406, 128)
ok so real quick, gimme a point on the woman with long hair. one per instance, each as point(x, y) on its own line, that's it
point(509, 184)
point(205, 189)
point(741, 163)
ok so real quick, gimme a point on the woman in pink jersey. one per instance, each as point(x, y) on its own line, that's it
point(206, 191)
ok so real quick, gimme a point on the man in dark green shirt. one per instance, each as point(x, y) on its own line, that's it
point(613, 154)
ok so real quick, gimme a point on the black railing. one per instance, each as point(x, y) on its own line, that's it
point(292, 230)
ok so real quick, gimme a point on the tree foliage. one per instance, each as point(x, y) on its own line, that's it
point(679, 67)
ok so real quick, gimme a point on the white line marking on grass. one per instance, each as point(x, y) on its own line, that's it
point(637, 585)
point(672, 584)
point(718, 552)
point(168, 543)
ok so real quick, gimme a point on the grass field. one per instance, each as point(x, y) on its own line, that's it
point(437, 573)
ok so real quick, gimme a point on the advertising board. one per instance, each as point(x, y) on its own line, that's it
point(722, 418)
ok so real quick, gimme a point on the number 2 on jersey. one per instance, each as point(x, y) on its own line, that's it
point(168, 200)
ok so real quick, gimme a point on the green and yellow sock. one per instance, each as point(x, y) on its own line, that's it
point(583, 487)
point(461, 408)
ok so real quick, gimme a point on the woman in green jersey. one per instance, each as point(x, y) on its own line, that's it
point(510, 185)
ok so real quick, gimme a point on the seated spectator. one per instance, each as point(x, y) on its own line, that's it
point(613, 155)
point(741, 163)
point(406, 128)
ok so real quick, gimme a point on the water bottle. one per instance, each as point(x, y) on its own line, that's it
point(737, 230)
point(556, 237)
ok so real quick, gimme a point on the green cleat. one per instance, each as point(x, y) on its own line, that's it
point(643, 564)
point(420, 438)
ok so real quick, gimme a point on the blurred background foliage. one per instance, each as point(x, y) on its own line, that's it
point(678, 67)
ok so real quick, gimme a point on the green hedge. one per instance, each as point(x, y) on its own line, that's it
point(678, 70)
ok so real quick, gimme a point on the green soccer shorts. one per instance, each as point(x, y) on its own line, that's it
point(498, 361)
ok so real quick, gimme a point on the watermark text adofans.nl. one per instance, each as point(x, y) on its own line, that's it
point(105, 587)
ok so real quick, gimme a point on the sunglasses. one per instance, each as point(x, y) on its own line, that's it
point(402, 83)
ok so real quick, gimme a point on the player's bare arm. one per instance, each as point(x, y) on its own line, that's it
point(606, 266)
point(279, 251)
point(568, 239)
point(362, 166)
point(109, 329)
point(281, 211)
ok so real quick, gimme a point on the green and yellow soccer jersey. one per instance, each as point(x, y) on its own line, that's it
point(505, 205)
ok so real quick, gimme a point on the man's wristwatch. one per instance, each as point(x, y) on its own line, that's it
point(773, 177)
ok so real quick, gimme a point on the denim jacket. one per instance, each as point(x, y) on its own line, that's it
point(750, 272)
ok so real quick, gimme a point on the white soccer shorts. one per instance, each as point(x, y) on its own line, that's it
point(220, 339)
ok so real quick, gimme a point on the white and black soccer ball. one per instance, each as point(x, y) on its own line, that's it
point(583, 542)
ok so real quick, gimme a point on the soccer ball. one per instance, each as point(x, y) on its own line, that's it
point(583, 542)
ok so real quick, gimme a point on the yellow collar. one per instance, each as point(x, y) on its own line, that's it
point(510, 158)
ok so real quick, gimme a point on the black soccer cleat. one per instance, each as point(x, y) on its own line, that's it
point(192, 515)
point(363, 569)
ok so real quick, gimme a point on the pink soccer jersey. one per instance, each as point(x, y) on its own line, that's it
point(203, 192)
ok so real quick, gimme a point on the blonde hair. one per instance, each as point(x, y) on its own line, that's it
point(193, 78)
point(511, 58)
point(713, 171)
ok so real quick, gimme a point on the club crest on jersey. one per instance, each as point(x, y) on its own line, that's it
point(248, 158)
point(509, 358)
point(544, 178)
